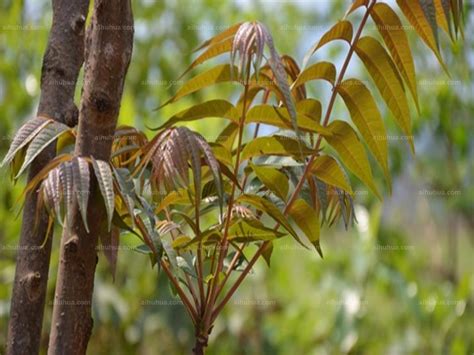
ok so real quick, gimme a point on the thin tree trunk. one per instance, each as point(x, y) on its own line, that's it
point(109, 45)
point(62, 61)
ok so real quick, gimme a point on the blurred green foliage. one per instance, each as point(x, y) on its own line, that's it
point(401, 281)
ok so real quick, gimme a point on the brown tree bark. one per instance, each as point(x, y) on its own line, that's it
point(62, 61)
point(109, 46)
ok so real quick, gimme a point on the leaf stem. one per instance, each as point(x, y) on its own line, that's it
point(300, 184)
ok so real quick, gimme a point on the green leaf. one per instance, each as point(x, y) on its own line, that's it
point(310, 108)
point(269, 208)
point(345, 141)
point(278, 117)
point(218, 74)
point(275, 145)
point(104, 177)
point(388, 81)
point(212, 108)
point(355, 5)
point(251, 231)
point(328, 170)
point(319, 71)
point(267, 252)
point(367, 118)
point(306, 219)
point(44, 137)
point(81, 178)
point(342, 31)
point(391, 29)
point(24, 135)
point(273, 179)
point(180, 241)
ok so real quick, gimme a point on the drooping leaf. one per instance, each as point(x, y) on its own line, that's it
point(322, 70)
point(278, 117)
point(443, 16)
point(275, 145)
point(24, 135)
point(212, 108)
point(345, 141)
point(386, 77)
point(422, 17)
point(218, 74)
point(44, 137)
point(81, 178)
point(66, 176)
point(327, 169)
point(391, 29)
point(306, 219)
point(104, 178)
point(342, 31)
point(273, 179)
point(267, 252)
point(367, 118)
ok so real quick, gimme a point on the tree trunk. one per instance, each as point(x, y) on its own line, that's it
point(61, 64)
point(109, 45)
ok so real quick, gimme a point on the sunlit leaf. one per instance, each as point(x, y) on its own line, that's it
point(391, 29)
point(306, 219)
point(340, 31)
point(273, 179)
point(327, 169)
point(275, 145)
point(386, 77)
point(367, 118)
point(345, 141)
point(251, 231)
point(319, 71)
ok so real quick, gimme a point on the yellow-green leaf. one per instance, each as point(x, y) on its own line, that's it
point(443, 16)
point(322, 70)
point(388, 81)
point(310, 108)
point(355, 5)
point(341, 30)
point(328, 170)
point(276, 145)
point(273, 179)
point(347, 144)
point(279, 117)
point(423, 24)
point(367, 118)
point(307, 219)
point(212, 108)
point(391, 29)
point(221, 36)
point(218, 74)
point(251, 231)
point(180, 241)
point(269, 208)
point(212, 51)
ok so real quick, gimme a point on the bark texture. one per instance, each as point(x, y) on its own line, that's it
point(61, 64)
point(109, 46)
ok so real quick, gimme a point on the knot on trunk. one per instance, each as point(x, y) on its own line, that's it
point(31, 282)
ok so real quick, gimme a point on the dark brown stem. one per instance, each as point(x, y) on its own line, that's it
point(61, 64)
point(109, 48)
point(300, 184)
